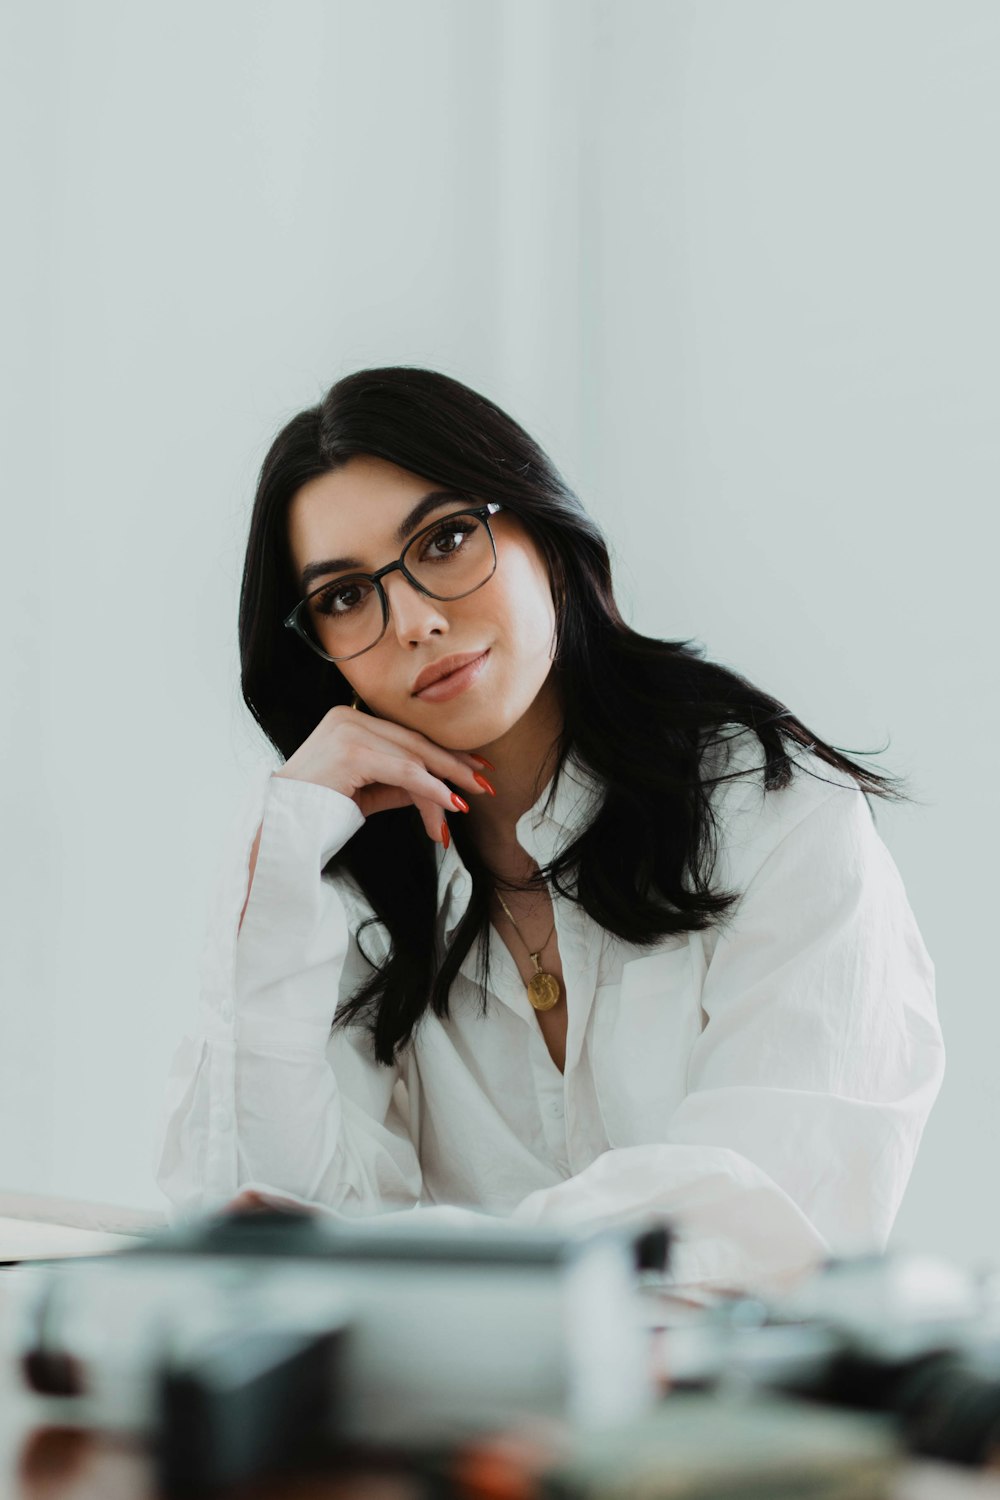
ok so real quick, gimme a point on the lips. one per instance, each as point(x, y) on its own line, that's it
point(443, 668)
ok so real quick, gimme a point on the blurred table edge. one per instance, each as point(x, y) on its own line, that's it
point(38, 1226)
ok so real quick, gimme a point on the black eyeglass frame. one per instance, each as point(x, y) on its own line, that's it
point(481, 513)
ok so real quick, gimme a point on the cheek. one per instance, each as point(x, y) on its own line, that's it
point(366, 680)
point(535, 623)
point(529, 606)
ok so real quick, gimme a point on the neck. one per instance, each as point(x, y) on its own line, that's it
point(525, 758)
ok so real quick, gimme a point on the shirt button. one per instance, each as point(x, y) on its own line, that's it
point(556, 1108)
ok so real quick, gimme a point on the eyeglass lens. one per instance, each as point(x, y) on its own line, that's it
point(448, 560)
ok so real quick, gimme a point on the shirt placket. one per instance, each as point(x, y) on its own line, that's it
point(547, 1081)
point(562, 1096)
point(579, 949)
point(565, 1100)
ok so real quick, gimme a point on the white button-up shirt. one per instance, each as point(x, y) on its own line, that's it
point(762, 1085)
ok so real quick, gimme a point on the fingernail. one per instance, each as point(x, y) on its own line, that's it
point(445, 835)
point(457, 800)
point(483, 783)
point(484, 762)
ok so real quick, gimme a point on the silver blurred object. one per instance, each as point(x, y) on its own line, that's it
point(430, 1333)
point(908, 1335)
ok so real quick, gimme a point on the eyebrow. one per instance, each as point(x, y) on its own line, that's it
point(406, 527)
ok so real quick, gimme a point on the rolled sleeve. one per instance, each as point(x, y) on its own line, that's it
point(262, 1093)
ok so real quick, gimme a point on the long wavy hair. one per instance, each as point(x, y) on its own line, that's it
point(638, 712)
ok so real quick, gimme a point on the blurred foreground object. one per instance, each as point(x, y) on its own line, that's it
point(240, 1344)
point(908, 1335)
point(267, 1341)
point(695, 1447)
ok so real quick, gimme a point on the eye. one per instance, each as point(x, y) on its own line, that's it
point(340, 598)
point(447, 539)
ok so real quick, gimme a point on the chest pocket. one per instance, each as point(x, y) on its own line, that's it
point(643, 1032)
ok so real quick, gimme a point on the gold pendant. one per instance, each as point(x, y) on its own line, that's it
point(543, 990)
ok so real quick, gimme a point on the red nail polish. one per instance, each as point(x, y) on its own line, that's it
point(483, 783)
point(483, 761)
point(459, 803)
point(445, 835)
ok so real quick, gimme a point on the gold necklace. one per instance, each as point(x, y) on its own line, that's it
point(543, 988)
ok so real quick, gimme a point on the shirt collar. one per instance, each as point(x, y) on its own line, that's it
point(542, 832)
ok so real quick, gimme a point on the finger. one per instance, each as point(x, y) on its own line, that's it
point(429, 794)
point(411, 773)
point(451, 765)
point(382, 798)
point(248, 1201)
point(447, 765)
point(379, 798)
point(434, 821)
point(427, 798)
point(459, 766)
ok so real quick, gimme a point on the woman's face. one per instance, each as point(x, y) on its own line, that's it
point(356, 512)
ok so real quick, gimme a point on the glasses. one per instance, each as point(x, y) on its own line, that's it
point(452, 557)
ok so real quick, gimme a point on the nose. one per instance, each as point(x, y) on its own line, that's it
point(413, 616)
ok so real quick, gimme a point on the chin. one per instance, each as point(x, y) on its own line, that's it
point(463, 726)
point(466, 731)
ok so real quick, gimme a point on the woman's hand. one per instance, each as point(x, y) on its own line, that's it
point(381, 765)
point(252, 1201)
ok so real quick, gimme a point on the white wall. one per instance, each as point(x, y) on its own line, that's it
point(799, 399)
point(732, 264)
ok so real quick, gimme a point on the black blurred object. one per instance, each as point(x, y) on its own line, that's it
point(652, 1250)
point(254, 1404)
point(945, 1406)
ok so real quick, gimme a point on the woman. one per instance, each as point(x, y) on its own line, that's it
point(543, 918)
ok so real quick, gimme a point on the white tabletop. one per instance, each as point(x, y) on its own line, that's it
point(37, 1226)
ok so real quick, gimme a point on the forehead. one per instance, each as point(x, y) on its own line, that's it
point(362, 496)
